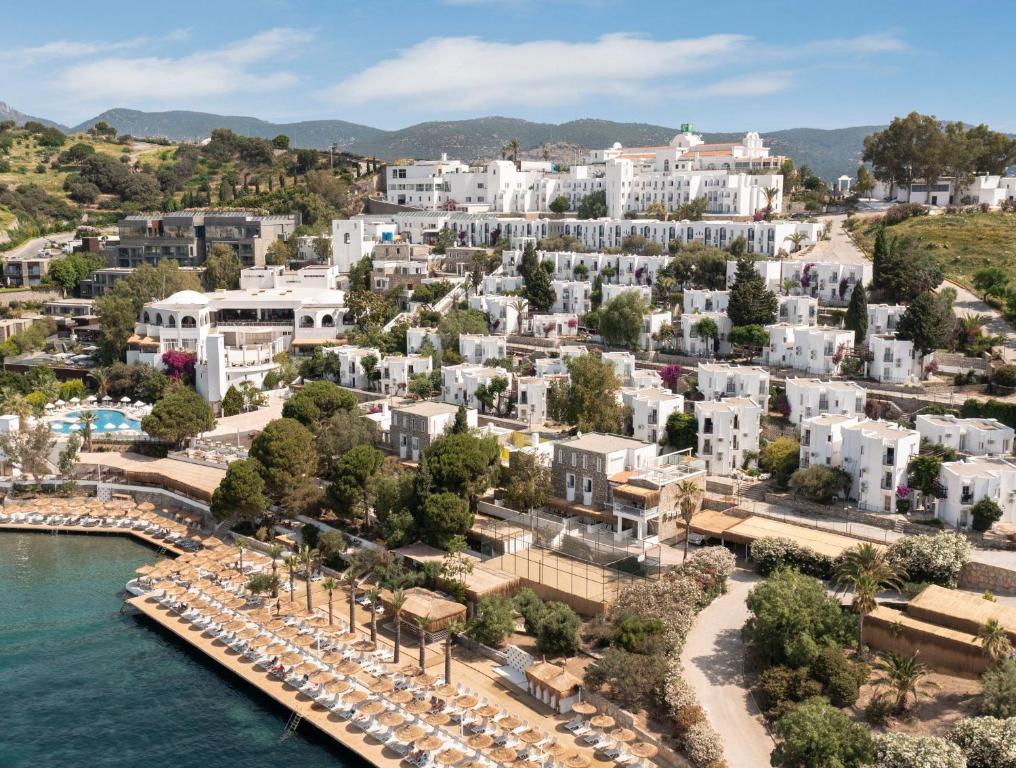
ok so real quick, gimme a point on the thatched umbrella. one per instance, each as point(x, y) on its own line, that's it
point(401, 697)
point(438, 718)
point(410, 732)
point(644, 750)
point(450, 757)
point(417, 707)
point(381, 685)
point(583, 708)
point(337, 686)
point(602, 721)
point(372, 708)
point(428, 743)
point(623, 735)
point(391, 719)
point(480, 741)
point(577, 761)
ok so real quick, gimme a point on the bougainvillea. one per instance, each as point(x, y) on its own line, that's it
point(179, 365)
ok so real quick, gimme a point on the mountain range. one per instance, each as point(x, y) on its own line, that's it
point(828, 153)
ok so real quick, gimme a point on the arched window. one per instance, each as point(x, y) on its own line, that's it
point(306, 321)
point(158, 319)
point(172, 321)
point(147, 318)
point(188, 322)
point(327, 321)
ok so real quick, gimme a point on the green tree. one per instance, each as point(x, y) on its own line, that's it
point(922, 471)
point(181, 414)
point(493, 620)
point(901, 675)
point(528, 483)
point(353, 481)
point(750, 338)
point(928, 322)
point(707, 328)
point(462, 463)
point(341, 433)
point(459, 321)
point(856, 319)
point(984, 514)
point(780, 457)
point(445, 517)
point(222, 268)
point(593, 206)
point(29, 448)
point(819, 483)
point(232, 402)
point(286, 456)
point(589, 400)
point(538, 290)
point(317, 402)
point(994, 639)
point(906, 272)
point(557, 632)
point(559, 204)
point(865, 571)
point(991, 281)
point(240, 495)
point(751, 303)
point(815, 734)
point(999, 686)
point(621, 320)
point(681, 431)
point(688, 494)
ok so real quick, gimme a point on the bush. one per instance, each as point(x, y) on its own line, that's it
point(904, 750)
point(987, 742)
point(529, 604)
point(311, 535)
point(780, 688)
point(331, 545)
point(841, 677)
point(819, 483)
point(686, 717)
point(492, 622)
point(984, 514)
point(709, 567)
point(934, 559)
point(636, 681)
point(902, 212)
point(636, 633)
point(817, 734)
point(999, 684)
point(557, 632)
point(703, 745)
point(780, 458)
point(772, 553)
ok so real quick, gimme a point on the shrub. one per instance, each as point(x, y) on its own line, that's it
point(772, 553)
point(311, 535)
point(841, 677)
point(984, 514)
point(817, 734)
point(557, 631)
point(902, 212)
point(904, 750)
point(780, 458)
point(818, 483)
point(635, 633)
point(530, 606)
point(987, 742)
point(780, 688)
point(679, 694)
point(636, 680)
point(492, 621)
point(331, 545)
point(934, 559)
point(999, 683)
point(686, 717)
point(703, 745)
point(709, 567)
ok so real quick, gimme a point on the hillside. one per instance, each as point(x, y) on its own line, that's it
point(828, 152)
point(7, 112)
point(962, 243)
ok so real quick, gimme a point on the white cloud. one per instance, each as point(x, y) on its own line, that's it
point(760, 84)
point(467, 72)
point(65, 49)
point(228, 69)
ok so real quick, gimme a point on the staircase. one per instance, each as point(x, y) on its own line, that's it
point(294, 722)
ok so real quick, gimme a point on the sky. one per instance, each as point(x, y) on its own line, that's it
point(723, 66)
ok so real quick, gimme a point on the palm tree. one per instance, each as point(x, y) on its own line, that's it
point(291, 562)
point(688, 493)
point(453, 628)
point(101, 378)
point(788, 285)
point(241, 545)
point(398, 600)
point(994, 640)
point(351, 578)
point(373, 593)
point(329, 585)
point(512, 150)
point(422, 623)
point(796, 238)
point(901, 674)
point(865, 571)
point(770, 194)
point(307, 557)
point(87, 418)
point(275, 552)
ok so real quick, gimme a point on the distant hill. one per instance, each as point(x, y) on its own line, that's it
point(7, 112)
point(829, 153)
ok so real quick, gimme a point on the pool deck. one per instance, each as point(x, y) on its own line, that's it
point(102, 530)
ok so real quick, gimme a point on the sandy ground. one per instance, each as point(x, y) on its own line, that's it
point(948, 700)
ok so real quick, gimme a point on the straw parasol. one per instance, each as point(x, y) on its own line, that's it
point(382, 685)
point(306, 668)
point(248, 634)
point(410, 732)
point(417, 707)
point(468, 701)
point(428, 743)
point(372, 708)
point(355, 696)
point(321, 676)
point(583, 708)
point(644, 749)
point(337, 686)
point(623, 735)
point(554, 749)
point(235, 603)
point(291, 658)
point(528, 764)
point(333, 657)
point(316, 621)
point(450, 757)
point(475, 764)
point(235, 625)
point(365, 645)
point(602, 721)
point(348, 668)
point(304, 641)
point(509, 723)
point(438, 718)
point(275, 625)
point(504, 754)
point(446, 690)
point(532, 736)
point(391, 720)
point(287, 632)
point(401, 697)
point(487, 710)
point(425, 680)
point(480, 741)
point(576, 761)
point(277, 649)
point(346, 637)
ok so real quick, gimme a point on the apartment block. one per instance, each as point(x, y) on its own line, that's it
point(414, 427)
point(582, 466)
point(719, 380)
point(977, 437)
point(650, 409)
point(814, 397)
point(968, 481)
point(822, 439)
point(875, 454)
point(726, 429)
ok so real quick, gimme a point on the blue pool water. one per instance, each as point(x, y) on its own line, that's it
point(107, 420)
point(84, 686)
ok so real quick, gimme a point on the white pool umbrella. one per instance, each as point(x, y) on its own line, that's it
point(106, 398)
point(60, 403)
point(139, 404)
point(74, 427)
point(75, 399)
point(90, 398)
point(124, 425)
point(125, 399)
point(50, 406)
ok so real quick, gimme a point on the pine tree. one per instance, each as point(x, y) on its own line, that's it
point(460, 424)
point(751, 303)
point(878, 256)
point(856, 319)
point(538, 291)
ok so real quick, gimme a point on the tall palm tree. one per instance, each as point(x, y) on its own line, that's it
point(351, 578)
point(329, 585)
point(307, 557)
point(453, 628)
point(865, 571)
point(101, 378)
point(512, 150)
point(422, 623)
point(241, 545)
point(688, 493)
point(398, 601)
point(374, 593)
point(275, 552)
point(291, 562)
point(994, 640)
point(87, 418)
point(902, 675)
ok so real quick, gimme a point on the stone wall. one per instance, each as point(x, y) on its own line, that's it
point(993, 578)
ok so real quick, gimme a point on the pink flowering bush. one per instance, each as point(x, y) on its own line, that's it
point(179, 365)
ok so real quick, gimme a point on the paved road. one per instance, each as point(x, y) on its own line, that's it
point(32, 247)
point(839, 248)
point(712, 659)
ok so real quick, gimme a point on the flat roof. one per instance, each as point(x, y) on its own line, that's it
point(748, 529)
point(427, 408)
point(597, 442)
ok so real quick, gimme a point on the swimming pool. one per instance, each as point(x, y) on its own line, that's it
point(106, 420)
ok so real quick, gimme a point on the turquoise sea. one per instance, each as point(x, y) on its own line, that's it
point(84, 686)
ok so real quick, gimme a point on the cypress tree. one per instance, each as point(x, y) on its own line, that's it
point(538, 290)
point(856, 319)
point(878, 256)
point(751, 303)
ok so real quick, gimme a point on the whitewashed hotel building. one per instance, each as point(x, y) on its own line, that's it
point(813, 397)
point(875, 454)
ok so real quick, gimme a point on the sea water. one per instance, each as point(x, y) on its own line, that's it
point(83, 685)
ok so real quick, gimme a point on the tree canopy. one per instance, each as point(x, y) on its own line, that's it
point(751, 303)
point(181, 414)
point(318, 401)
point(928, 322)
point(537, 290)
point(241, 493)
point(285, 451)
point(621, 319)
point(588, 401)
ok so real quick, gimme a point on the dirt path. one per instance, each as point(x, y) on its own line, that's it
point(712, 660)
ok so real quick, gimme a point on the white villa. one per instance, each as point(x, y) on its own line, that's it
point(726, 429)
point(813, 397)
point(875, 454)
point(977, 437)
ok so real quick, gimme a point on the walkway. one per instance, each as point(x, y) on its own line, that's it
point(713, 666)
point(253, 421)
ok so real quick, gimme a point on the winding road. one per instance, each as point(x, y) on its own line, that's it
point(713, 665)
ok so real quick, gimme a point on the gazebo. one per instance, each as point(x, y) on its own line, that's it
point(424, 604)
point(553, 685)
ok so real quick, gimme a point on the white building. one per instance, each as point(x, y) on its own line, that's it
point(398, 370)
point(829, 282)
point(416, 337)
point(652, 324)
point(350, 364)
point(719, 380)
point(894, 360)
point(460, 382)
point(797, 310)
point(650, 409)
point(555, 325)
point(875, 454)
point(883, 319)
point(549, 366)
point(816, 349)
point(352, 239)
point(572, 296)
point(978, 437)
point(726, 429)
point(478, 349)
point(982, 189)
point(696, 345)
point(822, 439)
point(769, 270)
point(531, 396)
point(612, 290)
point(503, 312)
point(967, 482)
point(813, 397)
point(702, 301)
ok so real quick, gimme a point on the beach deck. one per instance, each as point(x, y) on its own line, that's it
point(94, 530)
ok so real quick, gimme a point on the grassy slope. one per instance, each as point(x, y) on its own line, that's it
point(962, 243)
